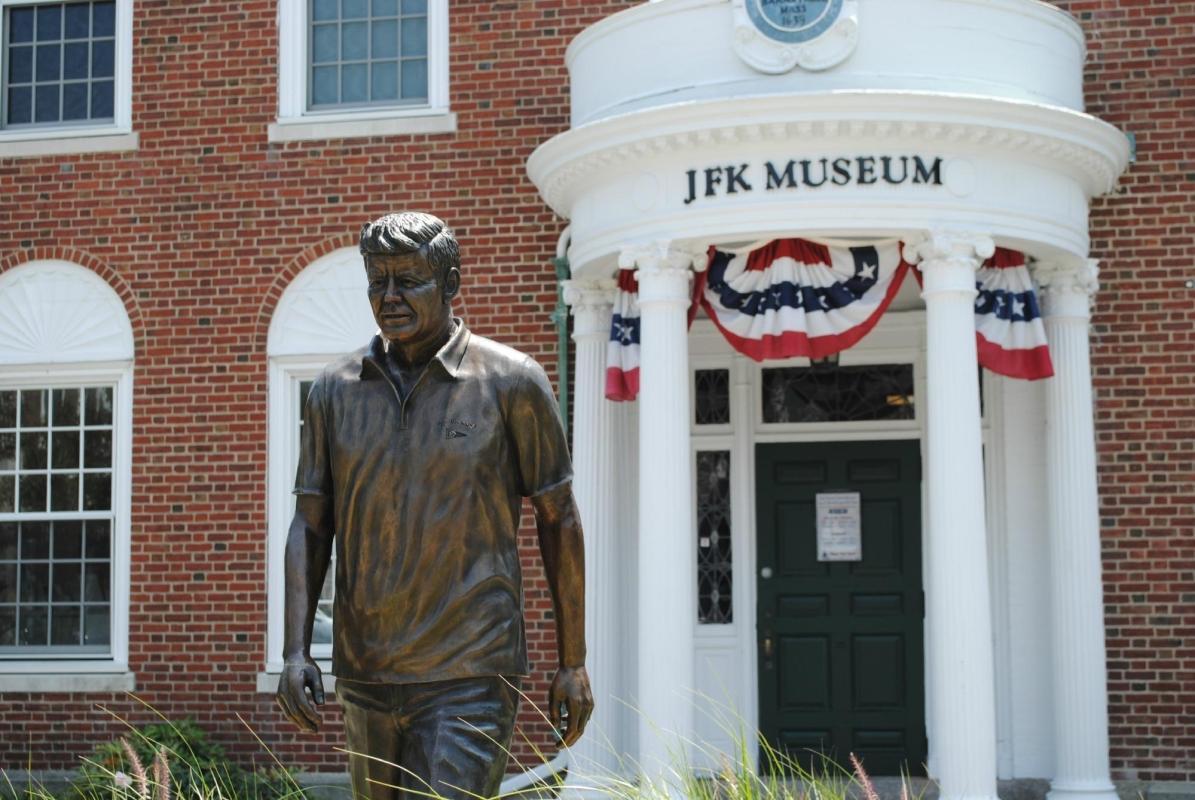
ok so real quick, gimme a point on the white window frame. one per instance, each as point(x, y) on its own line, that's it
point(296, 123)
point(87, 672)
point(64, 139)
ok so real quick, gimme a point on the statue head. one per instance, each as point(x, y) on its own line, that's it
point(413, 264)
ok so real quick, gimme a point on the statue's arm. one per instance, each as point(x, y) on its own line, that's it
point(561, 543)
point(308, 552)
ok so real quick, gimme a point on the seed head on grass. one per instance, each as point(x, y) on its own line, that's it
point(869, 789)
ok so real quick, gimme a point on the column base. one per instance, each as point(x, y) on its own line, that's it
point(1082, 790)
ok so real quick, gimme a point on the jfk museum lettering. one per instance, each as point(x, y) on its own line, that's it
point(813, 174)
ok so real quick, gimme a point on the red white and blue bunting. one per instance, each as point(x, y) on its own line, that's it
point(796, 298)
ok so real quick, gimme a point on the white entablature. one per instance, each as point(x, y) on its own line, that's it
point(1005, 147)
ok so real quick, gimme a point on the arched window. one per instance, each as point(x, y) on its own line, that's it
point(66, 387)
point(324, 313)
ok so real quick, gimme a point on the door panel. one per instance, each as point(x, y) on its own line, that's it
point(841, 643)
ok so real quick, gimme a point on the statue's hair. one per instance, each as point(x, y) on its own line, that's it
point(412, 232)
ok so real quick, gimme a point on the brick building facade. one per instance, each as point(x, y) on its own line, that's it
point(201, 227)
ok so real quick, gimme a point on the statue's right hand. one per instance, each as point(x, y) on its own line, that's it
point(299, 677)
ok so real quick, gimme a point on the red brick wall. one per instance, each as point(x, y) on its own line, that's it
point(200, 230)
point(1141, 78)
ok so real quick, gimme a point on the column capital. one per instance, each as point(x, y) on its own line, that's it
point(591, 303)
point(929, 247)
point(1067, 286)
point(664, 272)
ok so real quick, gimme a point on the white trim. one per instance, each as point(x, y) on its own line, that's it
point(296, 123)
point(121, 374)
point(70, 138)
point(54, 681)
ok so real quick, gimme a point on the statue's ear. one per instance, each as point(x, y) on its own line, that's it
point(452, 284)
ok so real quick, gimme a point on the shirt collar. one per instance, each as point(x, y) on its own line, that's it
point(450, 356)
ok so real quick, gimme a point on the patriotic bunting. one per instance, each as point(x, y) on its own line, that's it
point(797, 298)
point(1009, 330)
point(794, 297)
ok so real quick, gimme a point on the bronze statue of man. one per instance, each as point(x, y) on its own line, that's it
point(416, 454)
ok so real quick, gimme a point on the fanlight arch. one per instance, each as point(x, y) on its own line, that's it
point(325, 310)
point(56, 312)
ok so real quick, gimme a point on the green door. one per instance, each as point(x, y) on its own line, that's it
point(840, 643)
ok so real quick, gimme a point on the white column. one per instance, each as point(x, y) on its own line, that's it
point(960, 608)
point(594, 759)
point(667, 544)
point(1077, 598)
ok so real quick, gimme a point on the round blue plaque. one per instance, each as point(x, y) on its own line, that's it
point(794, 21)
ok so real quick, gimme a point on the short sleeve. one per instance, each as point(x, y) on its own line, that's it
point(314, 475)
point(541, 448)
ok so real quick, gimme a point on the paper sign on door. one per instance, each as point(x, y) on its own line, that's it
point(839, 532)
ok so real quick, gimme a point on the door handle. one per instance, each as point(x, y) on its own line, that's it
point(769, 646)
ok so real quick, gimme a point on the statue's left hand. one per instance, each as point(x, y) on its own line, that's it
point(570, 689)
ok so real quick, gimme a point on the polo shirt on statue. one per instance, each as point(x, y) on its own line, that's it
point(425, 497)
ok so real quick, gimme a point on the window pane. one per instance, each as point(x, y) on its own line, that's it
point(68, 539)
point(325, 9)
point(385, 8)
point(354, 41)
point(8, 409)
point(101, 100)
point(35, 583)
point(353, 87)
point(97, 449)
point(78, 20)
point(20, 65)
point(66, 449)
point(98, 540)
point(98, 409)
point(384, 81)
point(414, 6)
point(96, 626)
point(714, 553)
point(65, 407)
point(8, 451)
point(8, 494)
point(104, 19)
point(20, 22)
point(354, 9)
point(414, 80)
point(324, 43)
point(8, 583)
point(95, 583)
point(97, 492)
point(64, 492)
point(49, 62)
point(712, 393)
point(68, 583)
point(414, 37)
point(8, 626)
point(384, 38)
point(34, 626)
point(838, 394)
point(8, 541)
point(325, 86)
point(49, 23)
point(33, 492)
point(103, 59)
point(20, 105)
point(74, 101)
point(66, 626)
point(35, 540)
point(33, 450)
point(33, 409)
point(46, 102)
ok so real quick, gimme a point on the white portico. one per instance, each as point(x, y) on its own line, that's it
point(954, 127)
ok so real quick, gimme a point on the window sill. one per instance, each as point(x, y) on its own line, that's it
point(357, 126)
point(31, 143)
point(67, 678)
point(267, 682)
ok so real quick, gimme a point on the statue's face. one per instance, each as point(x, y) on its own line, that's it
point(408, 303)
